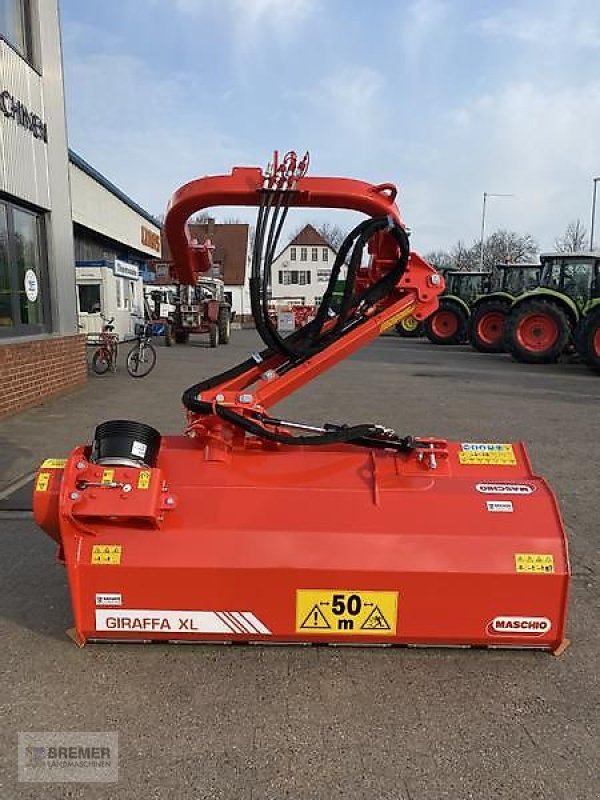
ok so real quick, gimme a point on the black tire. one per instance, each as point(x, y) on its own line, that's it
point(224, 326)
point(213, 334)
point(457, 331)
point(181, 336)
point(588, 340)
point(140, 368)
point(413, 331)
point(168, 336)
point(482, 331)
point(101, 362)
point(528, 346)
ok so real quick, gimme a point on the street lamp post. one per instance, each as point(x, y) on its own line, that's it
point(593, 214)
point(485, 197)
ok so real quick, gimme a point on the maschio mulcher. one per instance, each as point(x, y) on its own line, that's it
point(250, 527)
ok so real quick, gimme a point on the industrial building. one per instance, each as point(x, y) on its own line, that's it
point(115, 241)
point(42, 350)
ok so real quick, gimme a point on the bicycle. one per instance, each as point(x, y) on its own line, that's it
point(105, 357)
point(142, 356)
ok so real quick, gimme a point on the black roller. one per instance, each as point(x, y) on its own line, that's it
point(120, 441)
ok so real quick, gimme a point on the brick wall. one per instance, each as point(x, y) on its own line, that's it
point(33, 371)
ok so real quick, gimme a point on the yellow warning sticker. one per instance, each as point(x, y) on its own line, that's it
point(396, 318)
point(43, 479)
point(54, 463)
point(487, 453)
point(106, 554)
point(144, 479)
point(346, 611)
point(108, 476)
point(534, 562)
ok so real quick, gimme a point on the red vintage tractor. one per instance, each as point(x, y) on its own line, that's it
point(250, 527)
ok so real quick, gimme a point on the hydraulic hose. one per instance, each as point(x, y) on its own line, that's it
point(310, 339)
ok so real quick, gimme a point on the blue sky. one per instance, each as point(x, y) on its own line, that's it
point(446, 99)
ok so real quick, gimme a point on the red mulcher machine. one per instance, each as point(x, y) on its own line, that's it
point(254, 528)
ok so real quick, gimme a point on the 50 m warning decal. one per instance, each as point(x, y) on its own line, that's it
point(346, 611)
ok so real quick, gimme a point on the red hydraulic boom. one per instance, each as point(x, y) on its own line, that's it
point(254, 528)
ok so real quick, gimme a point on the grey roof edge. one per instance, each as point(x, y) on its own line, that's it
point(83, 165)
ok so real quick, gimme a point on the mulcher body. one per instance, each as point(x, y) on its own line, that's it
point(252, 528)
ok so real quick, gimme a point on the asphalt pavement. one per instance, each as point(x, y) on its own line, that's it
point(257, 722)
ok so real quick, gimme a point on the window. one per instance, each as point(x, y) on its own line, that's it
point(315, 254)
point(89, 298)
point(325, 254)
point(294, 276)
point(323, 275)
point(119, 286)
point(23, 295)
point(15, 25)
point(577, 280)
point(303, 254)
point(293, 254)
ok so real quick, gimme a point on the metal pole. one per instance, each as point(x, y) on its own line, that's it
point(485, 197)
point(593, 213)
point(482, 231)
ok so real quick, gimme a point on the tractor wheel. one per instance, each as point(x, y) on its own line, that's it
point(181, 336)
point(448, 325)
point(537, 332)
point(213, 334)
point(589, 340)
point(168, 335)
point(224, 326)
point(486, 326)
point(409, 328)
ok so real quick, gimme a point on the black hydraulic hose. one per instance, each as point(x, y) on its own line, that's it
point(310, 337)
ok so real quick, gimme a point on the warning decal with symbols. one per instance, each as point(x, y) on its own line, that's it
point(346, 611)
point(43, 480)
point(487, 453)
point(106, 554)
point(534, 562)
point(54, 463)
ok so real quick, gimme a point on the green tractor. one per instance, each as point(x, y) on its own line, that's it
point(563, 310)
point(488, 314)
point(450, 323)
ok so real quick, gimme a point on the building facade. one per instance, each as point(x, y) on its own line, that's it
point(301, 272)
point(55, 211)
point(116, 244)
point(41, 350)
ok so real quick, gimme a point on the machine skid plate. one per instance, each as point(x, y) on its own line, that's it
point(331, 544)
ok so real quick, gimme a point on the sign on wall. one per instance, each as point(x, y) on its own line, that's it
point(150, 239)
point(12, 108)
point(125, 270)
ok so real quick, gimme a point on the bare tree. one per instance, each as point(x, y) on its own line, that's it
point(573, 239)
point(464, 258)
point(439, 259)
point(333, 234)
point(508, 247)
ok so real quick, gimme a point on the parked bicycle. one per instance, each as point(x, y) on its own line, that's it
point(105, 357)
point(142, 356)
